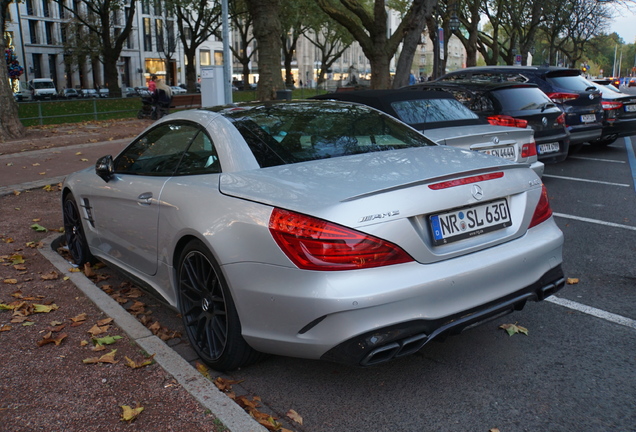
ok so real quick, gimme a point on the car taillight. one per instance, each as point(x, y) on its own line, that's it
point(611, 105)
point(559, 97)
point(543, 211)
point(528, 150)
point(315, 244)
point(504, 120)
point(561, 119)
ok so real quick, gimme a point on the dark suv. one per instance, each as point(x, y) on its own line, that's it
point(579, 100)
point(516, 105)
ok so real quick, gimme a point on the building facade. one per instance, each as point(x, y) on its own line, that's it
point(38, 31)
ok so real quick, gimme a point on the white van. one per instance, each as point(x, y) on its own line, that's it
point(42, 88)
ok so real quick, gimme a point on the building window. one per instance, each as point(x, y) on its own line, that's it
point(48, 28)
point(45, 8)
point(37, 65)
point(158, 7)
point(29, 7)
point(204, 58)
point(60, 7)
point(187, 33)
point(171, 39)
point(147, 35)
point(159, 33)
point(145, 7)
point(218, 58)
point(64, 29)
point(33, 31)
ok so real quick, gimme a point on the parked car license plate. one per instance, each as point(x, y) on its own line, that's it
point(507, 152)
point(470, 221)
point(548, 147)
point(588, 118)
point(630, 108)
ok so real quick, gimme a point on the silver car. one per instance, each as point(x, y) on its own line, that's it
point(315, 229)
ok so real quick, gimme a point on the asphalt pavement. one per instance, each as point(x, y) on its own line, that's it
point(38, 168)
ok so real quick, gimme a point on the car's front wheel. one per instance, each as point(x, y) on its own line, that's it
point(74, 232)
point(209, 315)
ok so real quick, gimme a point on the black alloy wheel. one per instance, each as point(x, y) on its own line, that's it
point(208, 311)
point(74, 232)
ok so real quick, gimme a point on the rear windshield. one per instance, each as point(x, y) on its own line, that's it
point(286, 133)
point(431, 110)
point(574, 83)
point(522, 99)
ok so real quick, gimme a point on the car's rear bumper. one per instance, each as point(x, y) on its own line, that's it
point(619, 128)
point(583, 133)
point(384, 344)
point(312, 314)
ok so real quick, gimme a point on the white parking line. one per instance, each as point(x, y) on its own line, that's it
point(599, 313)
point(594, 221)
point(596, 159)
point(585, 180)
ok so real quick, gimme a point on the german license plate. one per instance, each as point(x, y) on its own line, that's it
point(630, 108)
point(588, 118)
point(548, 147)
point(469, 221)
point(507, 152)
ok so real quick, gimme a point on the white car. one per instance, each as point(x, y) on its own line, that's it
point(177, 90)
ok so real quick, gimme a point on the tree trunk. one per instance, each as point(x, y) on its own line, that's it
point(413, 34)
point(191, 70)
point(10, 125)
point(267, 29)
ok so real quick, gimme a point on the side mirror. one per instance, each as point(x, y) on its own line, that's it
point(104, 167)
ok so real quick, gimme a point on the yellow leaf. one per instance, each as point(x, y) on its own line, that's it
point(83, 160)
point(96, 330)
point(39, 308)
point(80, 317)
point(292, 414)
point(131, 363)
point(11, 281)
point(74, 270)
point(129, 414)
point(203, 370)
point(106, 358)
point(572, 281)
point(78, 153)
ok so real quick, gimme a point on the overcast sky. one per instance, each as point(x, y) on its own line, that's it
point(625, 24)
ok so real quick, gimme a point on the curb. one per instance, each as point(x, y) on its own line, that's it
point(202, 389)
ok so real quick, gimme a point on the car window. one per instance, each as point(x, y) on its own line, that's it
point(200, 158)
point(296, 132)
point(431, 110)
point(522, 99)
point(157, 152)
point(575, 83)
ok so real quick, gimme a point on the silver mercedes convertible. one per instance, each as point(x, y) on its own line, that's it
point(315, 229)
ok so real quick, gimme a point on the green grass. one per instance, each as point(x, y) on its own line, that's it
point(76, 111)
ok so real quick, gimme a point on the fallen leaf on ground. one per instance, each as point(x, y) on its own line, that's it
point(514, 328)
point(80, 317)
point(48, 338)
point(106, 340)
point(106, 358)
point(136, 365)
point(96, 330)
point(572, 281)
point(292, 414)
point(40, 308)
point(129, 414)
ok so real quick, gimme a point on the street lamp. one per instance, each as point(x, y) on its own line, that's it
point(454, 23)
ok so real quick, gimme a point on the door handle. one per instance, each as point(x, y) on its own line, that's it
point(145, 198)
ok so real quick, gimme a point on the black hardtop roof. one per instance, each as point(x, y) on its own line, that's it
point(377, 98)
point(544, 70)
point(470, 85)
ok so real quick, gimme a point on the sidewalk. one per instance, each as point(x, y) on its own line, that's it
point(37, 168)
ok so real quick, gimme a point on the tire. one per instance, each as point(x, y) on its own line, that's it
point(209, 315)
point(74, 232)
